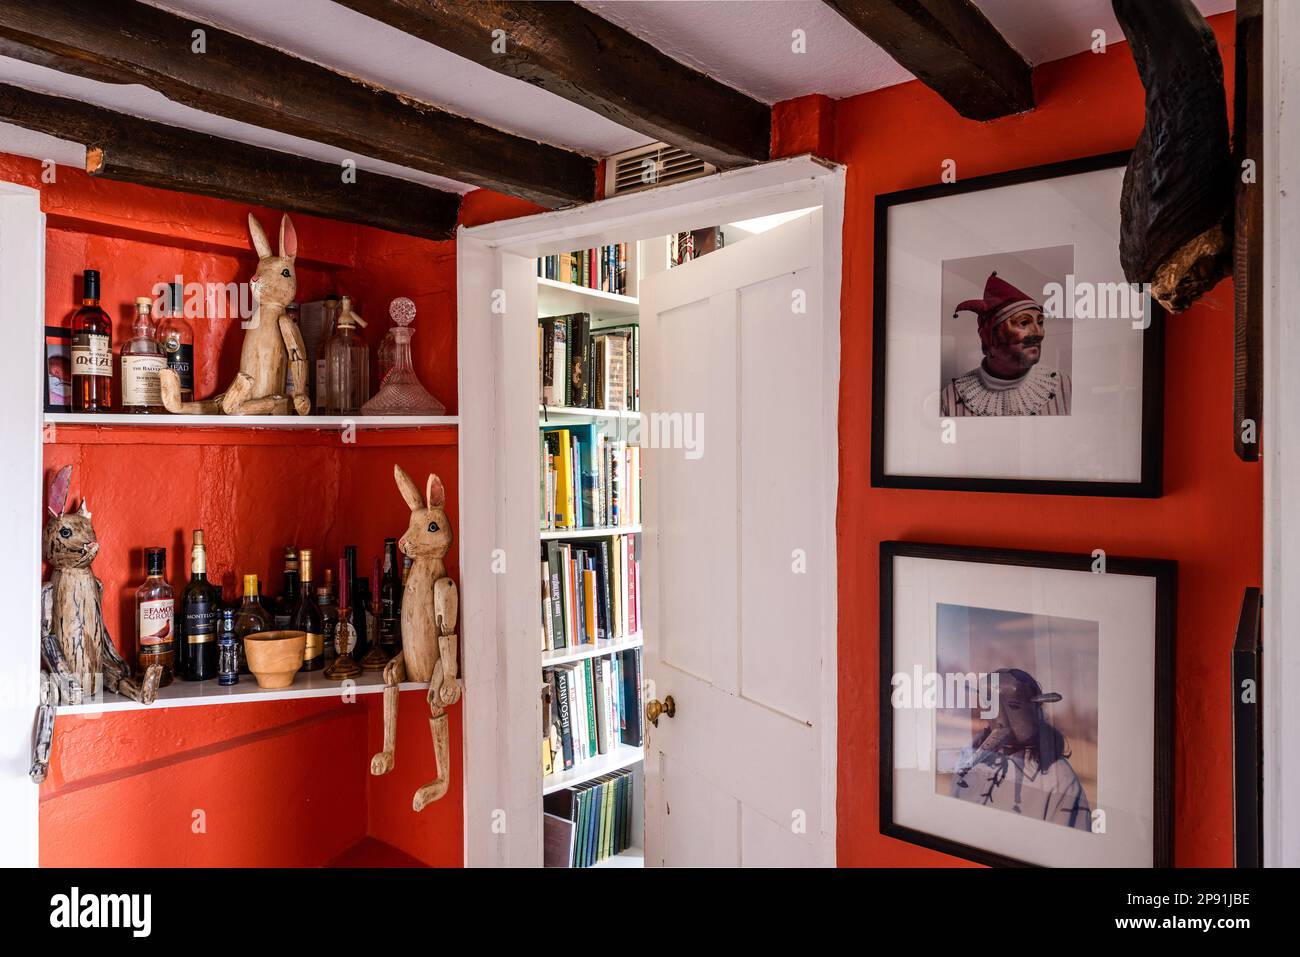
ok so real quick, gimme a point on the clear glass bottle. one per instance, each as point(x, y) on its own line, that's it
point(249, 619)
point(142, 359)
point(386, 356)
point(320, 378)
point(347, 363)
point(92, 351)
point(177, 337)
point(400, 392)
point(155, 618)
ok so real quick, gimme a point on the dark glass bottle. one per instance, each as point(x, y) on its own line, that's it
point(357, 589)
point(200, 602)
point(390, 601)
point(283, 608)
point(155, 618)
point(228, 646)
point(92, 351)
point(329, 610)
point(307, 617)
point(249, 619)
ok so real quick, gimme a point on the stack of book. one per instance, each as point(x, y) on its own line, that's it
point(591, 591)
point(587, 479)
point(593, 705)
point(589, 822)
point(582, 367)
point(601, 267)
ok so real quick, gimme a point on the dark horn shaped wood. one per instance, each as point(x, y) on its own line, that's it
point(1178, 189)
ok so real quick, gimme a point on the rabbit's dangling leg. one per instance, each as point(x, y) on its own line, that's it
point(436, 788)
point(394, 675)
point(43, 738)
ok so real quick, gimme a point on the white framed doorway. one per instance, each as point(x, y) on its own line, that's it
point(497, 352)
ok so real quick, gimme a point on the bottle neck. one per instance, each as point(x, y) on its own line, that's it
point(199, 564)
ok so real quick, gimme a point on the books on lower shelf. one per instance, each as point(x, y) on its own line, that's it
point(587, 479)
point(593, 707)
point(583, 366)
point(600, 267)
point(589, 822)
point(590, 592)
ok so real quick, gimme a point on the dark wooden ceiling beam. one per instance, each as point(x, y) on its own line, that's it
point(133, 150)
point(571, 52)
point(951, 47)
point(246, 81)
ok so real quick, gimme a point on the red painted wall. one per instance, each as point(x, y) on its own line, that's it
point(280, 783)
point(1209, 520)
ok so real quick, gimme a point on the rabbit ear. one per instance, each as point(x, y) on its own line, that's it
point(82, 510)
point(288, 238)
point(410, 492)
point(259, 237)
point(59, 486)
point(434, 494)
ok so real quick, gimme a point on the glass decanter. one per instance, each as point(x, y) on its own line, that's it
point(400, 393)
point(347, 363)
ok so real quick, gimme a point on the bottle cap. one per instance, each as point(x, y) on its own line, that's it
point(198, 537)
point(143, 301)
point(290, 558)
point(250, 586)
point(155, 559)
point(304, 558)
point(90, 284)
point(175, 298)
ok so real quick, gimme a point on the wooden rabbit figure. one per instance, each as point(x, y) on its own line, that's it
point(75, 644)
point(272, 343)
point(429, 643)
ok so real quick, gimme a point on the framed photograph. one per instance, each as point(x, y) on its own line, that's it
point(1010, 354)
point(1026, 707)
point(58, 369)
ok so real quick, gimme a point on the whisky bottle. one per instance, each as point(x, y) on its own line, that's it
point(177, 338)
point(200, 601)
point(283, 608)
point(329, 610)
point(92, 351)
point(250, 619)
point(155, 618)
point(390, 601)
point(142, 360)
point(307, 617)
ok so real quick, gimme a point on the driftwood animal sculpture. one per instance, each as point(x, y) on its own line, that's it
point(1177, 203)
point(429, 643)
point(273, 343)
point(75, 644)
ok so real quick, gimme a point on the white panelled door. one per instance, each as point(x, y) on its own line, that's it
point(737, 571)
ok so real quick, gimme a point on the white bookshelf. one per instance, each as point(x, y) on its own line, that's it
point(556, 298)
point(332, 423)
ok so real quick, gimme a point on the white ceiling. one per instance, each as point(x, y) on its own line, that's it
point(744, 43)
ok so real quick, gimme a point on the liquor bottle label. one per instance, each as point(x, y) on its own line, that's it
point(200, 623)
point(91, 355)
point(180, 359)
point(315, 647)
point(388, 629)
point(140, 383)
point(320, 384)
point(155, 625)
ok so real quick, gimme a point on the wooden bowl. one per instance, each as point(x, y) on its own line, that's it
point(274, 657)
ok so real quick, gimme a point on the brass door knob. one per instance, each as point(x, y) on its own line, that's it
point(654, 708)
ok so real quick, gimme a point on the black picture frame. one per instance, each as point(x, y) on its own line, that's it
point(1248, 735)
point(1165, 573)
point(57, 339)
point(1151, 482)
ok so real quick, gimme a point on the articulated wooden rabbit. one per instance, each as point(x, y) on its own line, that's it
point(429, 643)
point(272, 344)
point(75, 644)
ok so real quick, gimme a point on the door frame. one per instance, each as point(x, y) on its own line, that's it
point(496, 346)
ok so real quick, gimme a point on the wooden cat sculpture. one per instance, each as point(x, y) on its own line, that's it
point(75, 644)
point(272, 343)
point(429, 643)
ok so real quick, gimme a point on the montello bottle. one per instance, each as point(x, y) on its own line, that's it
point(200, 606)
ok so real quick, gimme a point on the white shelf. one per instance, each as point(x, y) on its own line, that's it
point(582, 652)
point(603, 532)
point(253, 421)
point(189, 694)
point(623, 756)
point(632, 857)
point(563, 414)
point(556, 298)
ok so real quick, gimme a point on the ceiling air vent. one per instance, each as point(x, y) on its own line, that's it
point(648, 166)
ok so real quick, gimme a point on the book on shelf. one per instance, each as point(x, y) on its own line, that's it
point(600, 267)
point(593, 820)
point(590, 591)
point(587, 479)
point(595, 706)
point(585, 366)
